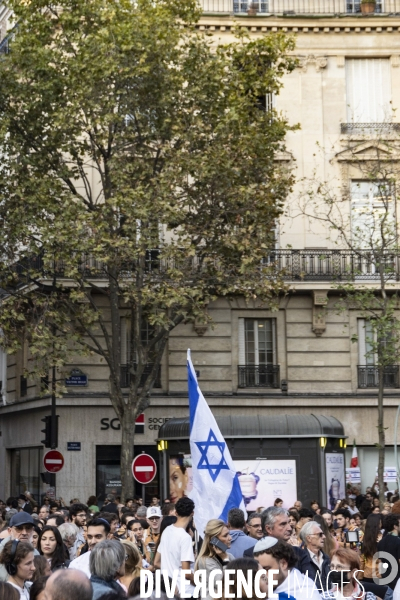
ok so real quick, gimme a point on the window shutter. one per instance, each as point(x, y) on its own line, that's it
point(275, 362)
point(361, 342)
point(242, 358)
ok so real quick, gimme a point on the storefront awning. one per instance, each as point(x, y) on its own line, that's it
point(261, 426)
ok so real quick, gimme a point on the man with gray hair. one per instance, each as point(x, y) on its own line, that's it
point(275, 523)
point(107, 562)
point(69, 533)
point(316, 564)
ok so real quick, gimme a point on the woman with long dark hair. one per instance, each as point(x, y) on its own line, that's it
point(372, 536)
point(52, 548)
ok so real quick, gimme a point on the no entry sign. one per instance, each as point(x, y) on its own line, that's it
point(53, 461)
point(144, 468)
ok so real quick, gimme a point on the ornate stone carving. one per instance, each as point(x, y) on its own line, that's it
point(320, 300)
point(319, 62)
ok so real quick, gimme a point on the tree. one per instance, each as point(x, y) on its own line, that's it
point(362, 218)
point(138, 171)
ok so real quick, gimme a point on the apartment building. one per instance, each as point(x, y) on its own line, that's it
point(299, 359)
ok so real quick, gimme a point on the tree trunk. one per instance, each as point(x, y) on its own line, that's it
point(381, 437)
point(127, 454)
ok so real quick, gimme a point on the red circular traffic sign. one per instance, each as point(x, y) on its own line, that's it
point(53, 461)
point(144, 468)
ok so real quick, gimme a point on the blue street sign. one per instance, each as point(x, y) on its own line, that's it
point(76, 378)
point(74, 446)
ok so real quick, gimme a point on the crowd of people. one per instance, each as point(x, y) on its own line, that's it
point(88, 552)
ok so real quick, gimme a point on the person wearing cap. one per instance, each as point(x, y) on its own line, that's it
point(288, 584)
point(20, 528)
point(154, 518)
point(25, 504)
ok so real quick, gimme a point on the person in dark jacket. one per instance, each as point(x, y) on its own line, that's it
point(107, 563)
point(275, 523)
point(390, 543)
point(315, 563)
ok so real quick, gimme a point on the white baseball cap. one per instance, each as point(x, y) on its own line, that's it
point(153, 511)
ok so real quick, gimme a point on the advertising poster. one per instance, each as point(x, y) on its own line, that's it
point(335, 479)
point(180, 476)
point(263, 481)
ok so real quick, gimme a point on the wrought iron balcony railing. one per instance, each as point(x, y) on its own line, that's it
point(333, 265)
point(126, 377)
point(368, 376)
point(297, 7)
point(291, 265)
point(258, 376)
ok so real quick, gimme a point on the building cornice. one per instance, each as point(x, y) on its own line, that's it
point(302, 24)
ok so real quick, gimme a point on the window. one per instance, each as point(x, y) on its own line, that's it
point(368, 373)
point(353, 6)
point(241, 6)
point(257, 353)
point(147, 332)
point(257, 346)
point(373, 222)
point(368, 90)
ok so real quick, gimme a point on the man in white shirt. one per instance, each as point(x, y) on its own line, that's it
point(97, 531)
point(288, 582)
point(175, 551)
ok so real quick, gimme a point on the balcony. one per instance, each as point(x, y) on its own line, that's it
point(266, 376)
point(368, 376)
point(289, 8)
point(125, 376)
point(369, 128)
point(332, 265)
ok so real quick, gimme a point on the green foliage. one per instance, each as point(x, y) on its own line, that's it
point(124, 129)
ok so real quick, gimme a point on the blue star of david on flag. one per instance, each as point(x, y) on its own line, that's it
point(218, 462)
point(216, 487)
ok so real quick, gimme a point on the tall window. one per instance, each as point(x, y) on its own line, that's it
point(146, 333)
point(373, 222)
point(257, 344)
point(368, 90)
point(368, 372)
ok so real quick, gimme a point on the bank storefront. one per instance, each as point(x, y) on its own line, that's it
point(89, 440)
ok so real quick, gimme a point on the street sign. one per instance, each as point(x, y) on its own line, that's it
point(144, 468)
point(53, 461)
point(76, 378)
point(76, 446)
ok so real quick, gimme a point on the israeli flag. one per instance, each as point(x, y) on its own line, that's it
point(216, 487)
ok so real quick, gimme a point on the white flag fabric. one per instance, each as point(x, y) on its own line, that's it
point(216, 487)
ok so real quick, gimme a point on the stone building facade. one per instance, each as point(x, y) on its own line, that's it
point(299, 359)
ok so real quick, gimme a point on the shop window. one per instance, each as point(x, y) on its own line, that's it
point(26, 466)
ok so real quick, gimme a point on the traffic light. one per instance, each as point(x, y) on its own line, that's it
point(50, 432)
point(47, 432)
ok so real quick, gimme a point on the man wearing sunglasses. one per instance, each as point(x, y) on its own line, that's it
point(21, 528)
point(316, 562)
